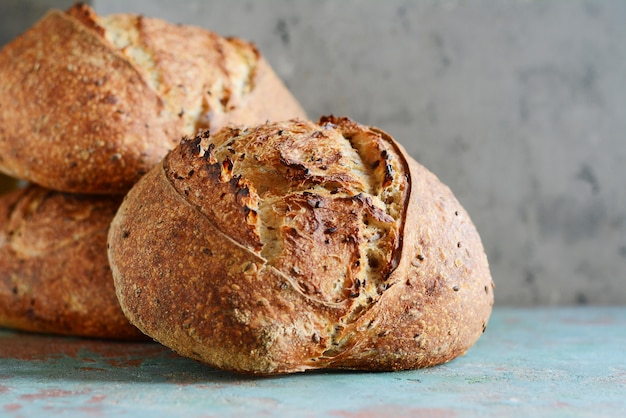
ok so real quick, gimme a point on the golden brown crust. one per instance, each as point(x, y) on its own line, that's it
point(92, 103)
point(293, 246)
point(54, 274)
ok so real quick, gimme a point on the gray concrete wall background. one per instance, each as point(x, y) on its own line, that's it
point(17, 15)
point(518, 106)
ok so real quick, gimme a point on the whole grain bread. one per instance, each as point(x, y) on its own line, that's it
point(54, 272)
point(292, 245)
point(91, 103)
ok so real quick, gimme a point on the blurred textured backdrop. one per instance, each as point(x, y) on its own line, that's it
point(519, 106)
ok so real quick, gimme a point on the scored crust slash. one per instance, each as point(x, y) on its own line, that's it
point(291, 246)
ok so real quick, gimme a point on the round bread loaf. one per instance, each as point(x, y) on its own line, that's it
point(292, 246)
point(90, 103)
point(54, 272)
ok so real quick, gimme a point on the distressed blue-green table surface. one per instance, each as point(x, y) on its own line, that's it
point(531, 362)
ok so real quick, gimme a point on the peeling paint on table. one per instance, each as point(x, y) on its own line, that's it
point(547, 362)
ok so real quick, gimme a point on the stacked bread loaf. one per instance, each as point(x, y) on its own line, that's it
point(54, 273)
point(90, 104)
point(248, 238)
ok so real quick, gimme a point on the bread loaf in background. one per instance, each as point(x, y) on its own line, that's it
point(91, 103)
point(54, 273)
point(291, 246)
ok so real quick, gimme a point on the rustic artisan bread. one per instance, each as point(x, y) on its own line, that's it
point(90, 103)
point(54, 273)
point(293, 246)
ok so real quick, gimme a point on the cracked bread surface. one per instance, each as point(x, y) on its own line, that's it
point(91, 103)
point(54, 273)
point(296, 245)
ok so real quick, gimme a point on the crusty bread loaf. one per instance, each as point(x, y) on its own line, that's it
point(90, 103)
point(292, 245)
point(54, 273)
